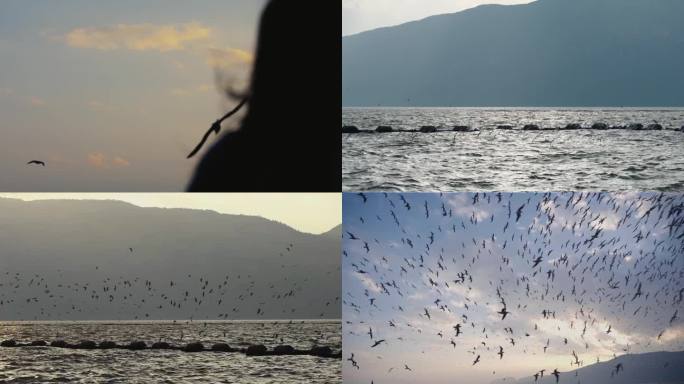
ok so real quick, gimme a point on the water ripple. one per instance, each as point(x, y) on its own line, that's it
point(58, 365)
point(613, 160)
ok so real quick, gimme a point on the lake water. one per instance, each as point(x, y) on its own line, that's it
point(48, 364)
point(492, 159)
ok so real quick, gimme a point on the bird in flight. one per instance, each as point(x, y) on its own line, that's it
point(477, 360)
point(537, 261)
point(503, 312)
point(216, 127)
point(36, 162)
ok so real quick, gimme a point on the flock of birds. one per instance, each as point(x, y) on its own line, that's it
point(493, 275)
point(61, 296)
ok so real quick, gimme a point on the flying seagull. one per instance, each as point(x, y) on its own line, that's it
point(216, 127)
point(37, 162)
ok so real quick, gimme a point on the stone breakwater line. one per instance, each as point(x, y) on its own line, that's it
point(252, 350)
point(528, 127)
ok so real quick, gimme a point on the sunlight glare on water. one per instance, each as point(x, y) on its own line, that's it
point(492, 159)
point(47, 364)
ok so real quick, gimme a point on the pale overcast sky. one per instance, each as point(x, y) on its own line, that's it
point(363, 15)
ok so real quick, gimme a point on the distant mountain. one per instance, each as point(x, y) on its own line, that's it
point(52, 249)
point(335, 233)
point(645, 368)
point(546, 53)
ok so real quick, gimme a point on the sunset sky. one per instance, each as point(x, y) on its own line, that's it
point(114, 95)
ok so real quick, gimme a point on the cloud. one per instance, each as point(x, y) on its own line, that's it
point(182, 92)
point(138, 37)
point(101, 161)
point(97, 160)
point(101, 106)
point(228, 58)
point(121, 162)
point(368, 282)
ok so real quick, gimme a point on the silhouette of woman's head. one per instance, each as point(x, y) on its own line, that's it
point(289, 140)
point(283, 64)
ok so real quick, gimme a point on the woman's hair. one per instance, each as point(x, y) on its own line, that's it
point(289, 139)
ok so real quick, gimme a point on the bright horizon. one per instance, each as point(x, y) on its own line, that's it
point(364, 15)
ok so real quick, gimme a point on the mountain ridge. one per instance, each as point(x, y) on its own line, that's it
point(545, 53)
point(636, 369)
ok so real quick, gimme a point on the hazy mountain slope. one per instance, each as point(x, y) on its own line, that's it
point(546, 53)
point(65, 242)
point(645, 368)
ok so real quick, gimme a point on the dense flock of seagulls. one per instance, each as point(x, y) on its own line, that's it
point(184, 297)
point(499, 276)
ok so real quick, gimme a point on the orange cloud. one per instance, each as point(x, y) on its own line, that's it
point(100, 160)
point(97, 160)
point(227, 58)
point(138, 37)
point(181, 92)
point(37, 101)
point(121, 162)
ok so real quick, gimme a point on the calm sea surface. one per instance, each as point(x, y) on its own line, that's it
point(52, 365)
point(615, 160)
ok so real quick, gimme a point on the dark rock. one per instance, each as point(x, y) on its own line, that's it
point(194, 347)
point(573, 126)
point(38, 343)
point(505, 127)
point(108, 345)
point(321, 351)
point(161, 345)
point(383, 129)
point(654, 127)
point(221, 347)
point(350, 129)
point(531, 127)
point(59, 344)
point(8, 343)
point(601, 126)
point(136, 345)
point(461, 128)
point(428, 129)
point(256, 350)
point(636, 127)
point(86, 344)
point(283, 350)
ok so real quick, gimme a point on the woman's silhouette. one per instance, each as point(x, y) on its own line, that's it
point(289, 139)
